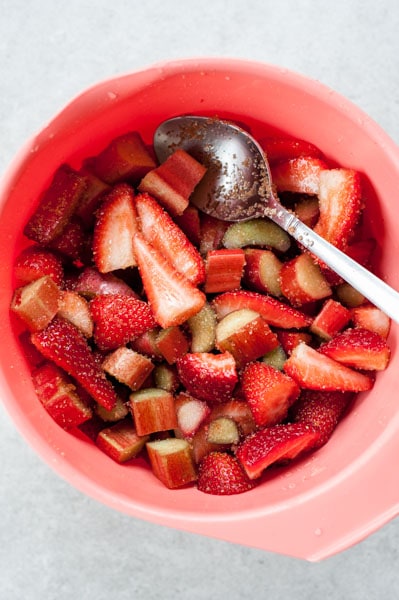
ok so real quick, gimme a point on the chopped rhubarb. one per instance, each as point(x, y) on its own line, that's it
point(302, 281)
point(172, 343)
point(262, 271)
point(331, 319)
point(203, 329)
point(153, 410)
point(172, 462)
point(76, 309)
point(121, 441)
point(36, 303)
point(256, 232)
point(128, 367)
point(224, 270)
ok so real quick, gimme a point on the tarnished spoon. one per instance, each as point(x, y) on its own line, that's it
point(238, 187)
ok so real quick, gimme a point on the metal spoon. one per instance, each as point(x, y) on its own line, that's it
point(238, 187)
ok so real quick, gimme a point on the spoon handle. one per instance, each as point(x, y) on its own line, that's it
point(374, 289)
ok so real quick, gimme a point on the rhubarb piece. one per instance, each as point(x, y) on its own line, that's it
point(91, 283)
point(274, 444)
point(172, 343)
point(279, 149)
point(36, 303)
point(307, 210)
point(269, 393)
point(165, 377)
point(35, 262)
point(256, 232)
point(128, 367)
point(224, 270)
point(59, 396)
point(118, 319)
point(115, 227)
point(313, 370)
point(237, 410)
point(172, 462)
point(189, 222)
point(190, 413)
point(212, 231)
point(76, 309)
point(201, 446)
point(146, 344)
point(203, 329)
point(173, 182)
point(221, 474)
point(92, 197)
point(172, 297)
point(162, 232)
point(73, 242)
point(121, 441)
point(117, 413)
point(300, 175)
point(153, 410)
point(66, 346)
point(321, 410)
point(209, 377)
point(126, 158)
point(246, 335)
point(331, 319)
point(275, 358)
point(302, 281)
point(372, 318)
point(358, 348)
point(223, 430)
point(262, 271)
point(274, 312)
point(56, 206)
point(290, 339)
point(349, 296)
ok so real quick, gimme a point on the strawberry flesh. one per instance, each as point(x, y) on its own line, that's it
point(221, 474)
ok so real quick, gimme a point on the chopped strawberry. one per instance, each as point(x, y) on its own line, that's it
point(209, 377)
point(372, 318)
point(274, 312)
point(340, 202)
point(66, 346)
point(73, 242)
point(302, 281)
point(118, 319)
point(189, 222)
point(221, 474)
point(36, 303)
point(91, 282)
point(162, 232)
point(56, 206)
point(282, 148)
point(322, 410)
point(269, 393)
point(172, 297)
point(331, 319)
point(290, 339)
point(313, 370)
point(274, 444)
point(173, 182)
point(35, 262)
point(359, 348)
point(300, 175)
point(191, 413)
point(172, 462)
point(115, 227)
point(224, 270)
point(92, 197)
point(121, 441)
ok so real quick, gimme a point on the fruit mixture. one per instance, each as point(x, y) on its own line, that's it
point(215, 350)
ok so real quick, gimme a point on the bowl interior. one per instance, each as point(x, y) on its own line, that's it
point(266, 99)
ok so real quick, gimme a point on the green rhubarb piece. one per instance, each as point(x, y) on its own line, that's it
point(256, 232)
point(275, 358)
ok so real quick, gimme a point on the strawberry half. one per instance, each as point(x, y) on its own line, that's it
point(210, 377)
point(66, 346)
point(313, 370)
point(300, 175)
point(115, 227)
point(221, 474)
point(172, 297)
point(119, 319)
point(35, 262)
point(358, 348)
point(280, 148)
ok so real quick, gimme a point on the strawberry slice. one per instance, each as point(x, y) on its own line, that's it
point(281, 148)
point(35, 262)
point(269, 393)
point(221, 474)
point(209, 377)
point(313, 370)
point(331, 319)
point(119, 319)
point(359, 348)
point(300, 175)
point(114, 230)
point(190, 413)
point(340, 203)
point(73, 242)
point(162, 232)
point(274, 444)
point(66, 346)
point(372, 318)
point(172, 297)
point(274, 312)
point(322, 410)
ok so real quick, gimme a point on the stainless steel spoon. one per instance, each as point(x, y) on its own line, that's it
point(238, 186)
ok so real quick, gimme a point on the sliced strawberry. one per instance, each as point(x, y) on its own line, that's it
point(91, 282)
point(92, 197)
point(274, 444)
point(63, 343)
point(281, 148)
point(322, 410)
point(340, 202)
point(372, 318)
point(189, 222)
point(269, 393)
point(128, 367)
point(118, 319)
point(224, 270)
point(121, 441)
point(172, 297)
point(35, 262)
point(221, 474)
point(36, 303)
point(209, 377)
point(313, 370)
point(73, 242)
point(115, 227)
point(173, 182)
point(162, 232)
point(290, 339)
point(358, 348)
point(274, 312)
point(300, 175)
point(302, 281)
point(56, 206)
point(331, 319)
point(172, 462)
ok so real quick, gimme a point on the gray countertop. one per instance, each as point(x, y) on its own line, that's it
point(56, 543)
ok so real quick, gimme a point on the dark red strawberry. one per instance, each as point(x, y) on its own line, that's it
point(331, 319)
point(73, 242)
point(281, 148)
point(66, 346)
point(118, 319)
point(221, 474)
point(35, 262)
point(359, 348)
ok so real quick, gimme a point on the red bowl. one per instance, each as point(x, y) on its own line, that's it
point(331, 499)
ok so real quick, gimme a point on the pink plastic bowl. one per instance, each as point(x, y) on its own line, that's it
point(331, 499)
